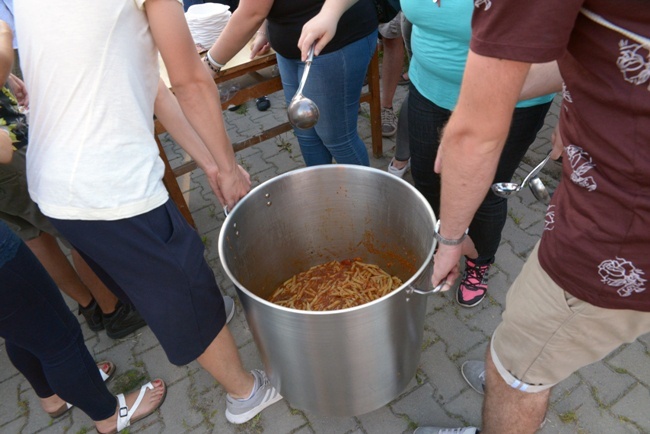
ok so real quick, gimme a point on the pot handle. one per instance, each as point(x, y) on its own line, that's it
point(438, 288)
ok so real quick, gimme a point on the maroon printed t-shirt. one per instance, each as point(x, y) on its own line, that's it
point(596, 239)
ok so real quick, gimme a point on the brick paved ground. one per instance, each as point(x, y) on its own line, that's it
point(611, 396)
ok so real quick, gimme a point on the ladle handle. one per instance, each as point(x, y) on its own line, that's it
point(303, 80)
point(533, 173)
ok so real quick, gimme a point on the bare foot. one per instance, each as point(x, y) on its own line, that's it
point(52, 404)
point(152, 399)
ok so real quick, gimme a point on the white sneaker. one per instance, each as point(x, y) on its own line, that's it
point(240, 411)
point(398, 172)
point(229, 305)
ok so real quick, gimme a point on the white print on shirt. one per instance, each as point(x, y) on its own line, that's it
point(549, 219)
point(566, 96)
point(635, 68)
point(621, 272)
point(479, 3)
point(581, 163)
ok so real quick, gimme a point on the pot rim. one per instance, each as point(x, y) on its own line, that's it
point(406, 285)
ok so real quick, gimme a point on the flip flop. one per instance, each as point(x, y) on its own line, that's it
point(125, 414)
point(106, 375)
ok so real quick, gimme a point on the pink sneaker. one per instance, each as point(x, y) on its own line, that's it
point(473, 286)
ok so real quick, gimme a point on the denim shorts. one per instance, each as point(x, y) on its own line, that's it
point(157, 259)
point(547, 334)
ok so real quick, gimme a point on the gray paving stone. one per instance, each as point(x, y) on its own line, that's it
point(606, 384)
point(422, 409)
point(632, 360)
point(457, 337)
point(442, 374)
point(383, 420)
point(632, 410)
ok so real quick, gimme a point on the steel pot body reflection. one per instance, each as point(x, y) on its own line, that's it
point(346, 362)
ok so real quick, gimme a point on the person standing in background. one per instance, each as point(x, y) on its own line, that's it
point(583, 290)
point(43, 339)
point(440, 42)
point(94, 168)
point(345, 33)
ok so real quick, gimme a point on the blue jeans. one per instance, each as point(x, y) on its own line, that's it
point(425, 123)
point(334, 84)
point(43, 338)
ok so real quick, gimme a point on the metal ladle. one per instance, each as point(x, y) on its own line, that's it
point(539, 190)
point(507, 189)
point(303, 112)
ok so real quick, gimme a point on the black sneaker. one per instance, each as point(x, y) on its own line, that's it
point(124, 321)
point(263, 103)
point(93, 315)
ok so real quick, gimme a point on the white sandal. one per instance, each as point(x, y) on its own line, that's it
point(125, 415)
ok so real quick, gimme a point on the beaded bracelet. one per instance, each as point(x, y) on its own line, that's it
point(213, 62)
point(212, 68)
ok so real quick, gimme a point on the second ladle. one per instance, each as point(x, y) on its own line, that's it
point(303, 113)
point(539, 190)
point(507, 189)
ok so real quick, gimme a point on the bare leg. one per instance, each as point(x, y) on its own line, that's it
point(221, 360)
point(104, 297)
point(391, 69)
point(507, 410)
point(49, 253)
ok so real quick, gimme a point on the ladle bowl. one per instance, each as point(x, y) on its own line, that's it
point(539, 190)
point(507, 189)
point(303, 113)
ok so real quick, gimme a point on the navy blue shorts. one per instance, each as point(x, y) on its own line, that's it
point(157, 259)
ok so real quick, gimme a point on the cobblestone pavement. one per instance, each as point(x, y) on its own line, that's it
point(611, 396)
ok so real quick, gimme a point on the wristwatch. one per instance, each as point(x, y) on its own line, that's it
point(446, 241)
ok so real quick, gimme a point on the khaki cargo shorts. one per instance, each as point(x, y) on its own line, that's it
point(547, 334)
point(393, 28)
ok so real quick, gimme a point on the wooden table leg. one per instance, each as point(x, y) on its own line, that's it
point(375, 106)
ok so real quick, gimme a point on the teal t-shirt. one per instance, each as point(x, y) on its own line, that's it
point(440, 43)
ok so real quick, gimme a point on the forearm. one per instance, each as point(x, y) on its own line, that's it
point(337, 7)
point(542, 79)
point(194, 88)
point(474, 137)
point(170, 114)
point(241, 27)
point(6, 51)
point(199, 104)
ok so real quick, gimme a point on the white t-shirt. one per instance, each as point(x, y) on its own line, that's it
point(91, 69)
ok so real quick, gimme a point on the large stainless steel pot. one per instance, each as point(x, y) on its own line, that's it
point(346, 362)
